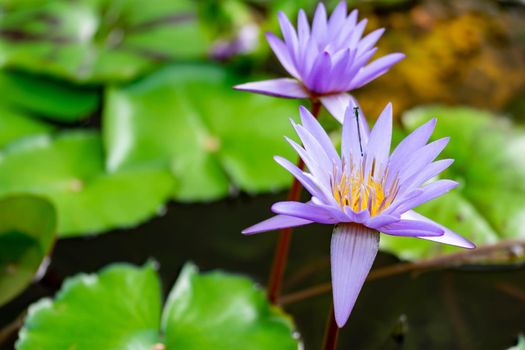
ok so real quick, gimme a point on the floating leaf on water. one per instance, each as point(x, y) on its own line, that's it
point(189, 119)
point(50, 99)
point(27, 232)
point(69, 170)
point(99, 40)
point(204, 311)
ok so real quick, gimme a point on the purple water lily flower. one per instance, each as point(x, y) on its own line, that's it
point(326, 60)
point(363, 191)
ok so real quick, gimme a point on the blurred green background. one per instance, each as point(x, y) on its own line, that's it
point(121, 140)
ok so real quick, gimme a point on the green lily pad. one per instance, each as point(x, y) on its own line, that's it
point(119, 308)
point(99, 40)
point(27, 231)
point(189, 119)
point(204, 311)
point(220, 311)
point(47, 98)
point(489, 204)
point(15, 125)
point(69, 170)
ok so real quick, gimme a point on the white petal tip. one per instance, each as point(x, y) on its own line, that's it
point(281, 87)
point(341, 319)
point(239, 87)
point(252, 230)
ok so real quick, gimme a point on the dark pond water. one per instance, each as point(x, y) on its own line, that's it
point(469, 308)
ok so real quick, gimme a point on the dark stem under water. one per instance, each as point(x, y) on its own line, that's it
point(332, 332)
point(285, 235)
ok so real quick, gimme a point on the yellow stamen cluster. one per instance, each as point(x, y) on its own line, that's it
point(360, 192)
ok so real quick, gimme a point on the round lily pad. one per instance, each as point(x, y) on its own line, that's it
point(99, 40)
point(489, 204)
point(118, 308)
point(27, 231)
point(69, 170)
point(220, 311)
point(204, 311)
point(189, 119)
point(43, 97)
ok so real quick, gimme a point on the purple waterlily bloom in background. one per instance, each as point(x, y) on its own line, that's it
point(363, 191)
point(327, 60)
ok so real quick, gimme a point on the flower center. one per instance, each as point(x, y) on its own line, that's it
point(360, 192)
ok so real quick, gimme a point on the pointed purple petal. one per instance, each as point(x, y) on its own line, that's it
point(376, 69)
point(413, 142)
point(289, 34)
point(412, 228)
point(319, 24)
point(283, 54)
point(358, 217)
point(353, 145)
point(430, 191)
point(337, 19)
point(400, 200)
point(450, 237)
point(304, 211)
point(343, 36)
point(319, 163)
point(316, 130)
point(356, 65)
point(335, 211)
point(352, 250)
point(317, 78)
point(305, 180)
point(284, 87)
point(426, 174)
point(308, 55)
point(378, 147)
point(303, 27)
point(381, 220)
point(315, 150)
point(320, 174)
point(341, 61)
point(421, 158)
point(370, 40)
point(275, 223)
point(357, 33)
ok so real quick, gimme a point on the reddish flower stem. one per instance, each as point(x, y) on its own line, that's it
point(332, 332)
point(285, 235)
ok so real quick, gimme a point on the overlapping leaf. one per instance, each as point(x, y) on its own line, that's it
point(489, 204)
point(27, 231)
point(98, 40)
point(69, 170)
point(116, 309)
point(204, 311)
point(188, 118)
point(47, 98)
point(15, 124)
